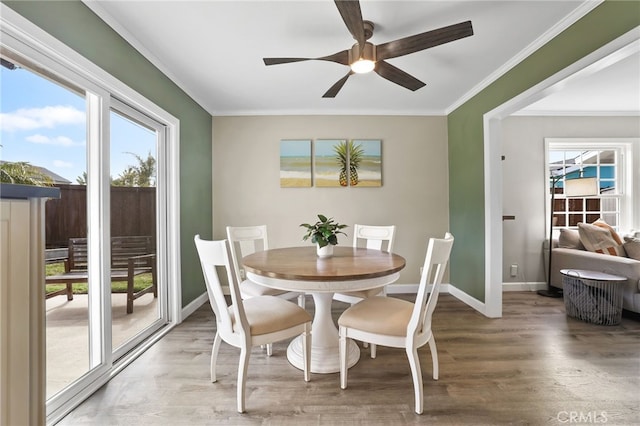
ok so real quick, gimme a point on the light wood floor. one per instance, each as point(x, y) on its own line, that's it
point(534, 366)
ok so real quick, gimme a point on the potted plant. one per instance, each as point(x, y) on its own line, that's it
point(324, 233)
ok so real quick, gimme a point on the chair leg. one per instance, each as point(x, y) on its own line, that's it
point(129, 294)
point(343, 358)
point(302, 301)
point(416, 372)
point(434, 356)
point(214, 356)
point(373, 350)
point(306, 352)
point(242, 377)
point(269, 349)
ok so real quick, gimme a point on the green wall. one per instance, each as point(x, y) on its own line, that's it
point(79, 28)
point(605, 23)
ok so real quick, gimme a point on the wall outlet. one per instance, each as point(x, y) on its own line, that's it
point(514, 270)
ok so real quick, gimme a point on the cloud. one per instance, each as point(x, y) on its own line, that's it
point(62, 164)
point(37, 118)
point(58, 140)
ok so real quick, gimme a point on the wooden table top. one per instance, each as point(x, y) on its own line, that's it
point(303, 264)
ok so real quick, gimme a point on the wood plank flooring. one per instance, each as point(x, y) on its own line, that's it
point(533, 366)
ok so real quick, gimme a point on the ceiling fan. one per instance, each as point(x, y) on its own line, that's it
point(364, 56)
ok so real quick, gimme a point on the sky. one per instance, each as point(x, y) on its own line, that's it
point(44, 124)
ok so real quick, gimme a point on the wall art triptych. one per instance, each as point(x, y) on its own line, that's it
point(331, 163)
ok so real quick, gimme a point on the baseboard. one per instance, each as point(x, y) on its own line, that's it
point(534, 286)
point(444, 288)
point(467, 299)
point(194, 305)
point(406, 289)
point(412, 288)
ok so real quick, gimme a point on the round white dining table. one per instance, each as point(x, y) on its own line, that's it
point(300, 269)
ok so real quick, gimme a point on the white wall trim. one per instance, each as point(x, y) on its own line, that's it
point(468, 300)
point(194, 305)
point(612, 52)
point(544, 113)
point(413, 288)
point(553, 32)
point(524, 286)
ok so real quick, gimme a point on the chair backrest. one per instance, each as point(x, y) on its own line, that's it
point(213, 255)
point(435, 263)
point(243, 241)
point(374, 237)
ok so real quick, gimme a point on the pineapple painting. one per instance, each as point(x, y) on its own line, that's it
point(349, 155)
point(343, 163)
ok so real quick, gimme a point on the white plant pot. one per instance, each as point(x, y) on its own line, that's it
point(326, 251)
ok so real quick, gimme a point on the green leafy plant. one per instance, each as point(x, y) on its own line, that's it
point(323, 232)
point(23, 173)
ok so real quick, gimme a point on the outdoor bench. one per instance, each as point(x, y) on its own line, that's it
point(130, 256)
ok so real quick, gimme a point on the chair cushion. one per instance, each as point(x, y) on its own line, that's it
point(380, 315)
point(267, 314)
point(250, 289)
point(363, 294)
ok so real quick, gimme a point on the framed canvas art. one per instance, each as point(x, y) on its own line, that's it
point(330, 162)
point(295, 163)
point(365, 162)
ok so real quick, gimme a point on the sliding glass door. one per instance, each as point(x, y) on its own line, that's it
point(107, 260)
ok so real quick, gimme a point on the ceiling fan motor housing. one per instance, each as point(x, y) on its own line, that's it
point(364, 57)
point(368, 53)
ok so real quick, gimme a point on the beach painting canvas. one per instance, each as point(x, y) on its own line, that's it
point(329, 162)
point(295, 163)
point(365, 162)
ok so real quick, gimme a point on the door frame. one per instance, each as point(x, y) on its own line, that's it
point(614, 51)
point(25, 39)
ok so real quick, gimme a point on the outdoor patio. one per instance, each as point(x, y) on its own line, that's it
point(68, 338)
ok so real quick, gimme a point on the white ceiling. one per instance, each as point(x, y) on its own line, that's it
point(213, 50)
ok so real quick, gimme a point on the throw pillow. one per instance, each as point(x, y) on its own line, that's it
point(632, 247)
point(599, 239)
point(601, 223)
point(570, 238)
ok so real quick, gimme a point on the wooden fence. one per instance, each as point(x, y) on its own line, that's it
point(133, 212)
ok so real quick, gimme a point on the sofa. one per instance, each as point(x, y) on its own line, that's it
point(575, 250)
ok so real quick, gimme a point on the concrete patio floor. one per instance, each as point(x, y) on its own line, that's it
point(68, 338)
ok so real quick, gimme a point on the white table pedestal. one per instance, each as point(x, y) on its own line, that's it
point(325, 356)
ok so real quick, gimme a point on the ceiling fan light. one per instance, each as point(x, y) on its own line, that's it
point(362, 66)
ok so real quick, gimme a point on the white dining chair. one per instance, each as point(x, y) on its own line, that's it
point(397, 323)
point(246, 323)
point(246, 240)
point(371, 237)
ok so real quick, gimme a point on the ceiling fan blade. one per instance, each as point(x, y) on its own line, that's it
point(397, 76)
point(418, 42)
point(333, 91)
point(340, 58)
point(352, 17)
point(277, 61)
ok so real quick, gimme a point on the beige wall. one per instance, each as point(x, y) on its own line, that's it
point(414, 194)
point(524, 190)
